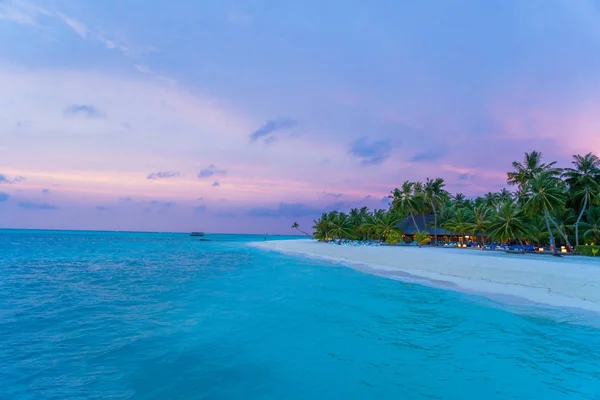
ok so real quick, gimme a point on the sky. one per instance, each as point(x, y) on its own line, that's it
point(245, 116)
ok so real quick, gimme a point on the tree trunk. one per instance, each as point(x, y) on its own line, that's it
point(415, 222)
point(435, 241)
point(579, 217)
point(301, 231)
point(562, 234)
point(552, 247)
point(482, 241)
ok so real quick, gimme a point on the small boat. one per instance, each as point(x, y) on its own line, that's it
point(198, 234)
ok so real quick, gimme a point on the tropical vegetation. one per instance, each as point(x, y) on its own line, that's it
point(543, 205)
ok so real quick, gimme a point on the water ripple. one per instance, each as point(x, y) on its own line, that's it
point(155, 316)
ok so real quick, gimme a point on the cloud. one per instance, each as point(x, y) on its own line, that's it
point(372, 153)
point(27, 14)
point(211, 170)
point(142, 68)
point(427, 156)
point(83, 110)
point(4, 196)
point(216, 184)
point(129, 51)
point(78, 27)
point(465, 177)
point(162, 175)
point(125, 199)
point(165, 204)
point(288, 210)
point(101, 208)
point(270, 127)
point(28, 205)
point(200, 208)
point(6, 180)
point(45, 191)
point(22, 13)
point(334, 195)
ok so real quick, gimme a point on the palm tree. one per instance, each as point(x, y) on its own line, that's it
point(461, 222)
point(564, 220)
point(340, 226)
point(532, 165)
point(405, 201)
point(297, 227)
point(434, 194)
point(446, 214)
point(549, 205)
point(386, 224)
point(584, 179)
point(459, 198)
point(480, 222)
point(504, 195)
point(490, 200)
point(422, 238)
point(591, 225)
point(545, 196)
point(356, 221)
point(508, 224)
point(323, 226)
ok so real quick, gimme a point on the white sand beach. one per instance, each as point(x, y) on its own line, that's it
point(555, 281)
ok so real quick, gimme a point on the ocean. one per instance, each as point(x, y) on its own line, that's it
point(89, 315)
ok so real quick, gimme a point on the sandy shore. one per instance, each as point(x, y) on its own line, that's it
point(556, 281)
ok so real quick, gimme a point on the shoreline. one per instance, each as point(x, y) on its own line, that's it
point(569, 282)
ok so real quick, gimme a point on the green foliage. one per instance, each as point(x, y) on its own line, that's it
point(394, 238)
point(548, 202)
point(591, 225)
point(359, 224)
point(508, 223)
point(587, 250)
point(422, 238)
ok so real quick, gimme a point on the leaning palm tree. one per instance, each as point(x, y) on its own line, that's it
point(546, 195)
point(591, 226)
point(584, 180)
point(435, 194)
point(508, 224)
point(564, 221)
point(536, 230)
point(297, 227)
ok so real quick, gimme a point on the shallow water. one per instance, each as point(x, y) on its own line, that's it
point(155, 316)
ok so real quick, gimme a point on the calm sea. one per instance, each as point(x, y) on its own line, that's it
point(165, 316)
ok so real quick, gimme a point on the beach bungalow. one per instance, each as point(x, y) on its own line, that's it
point(425, 223)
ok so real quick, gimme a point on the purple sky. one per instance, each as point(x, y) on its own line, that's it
point(243, 116)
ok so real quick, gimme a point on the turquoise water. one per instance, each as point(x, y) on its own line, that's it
point(164, 316)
